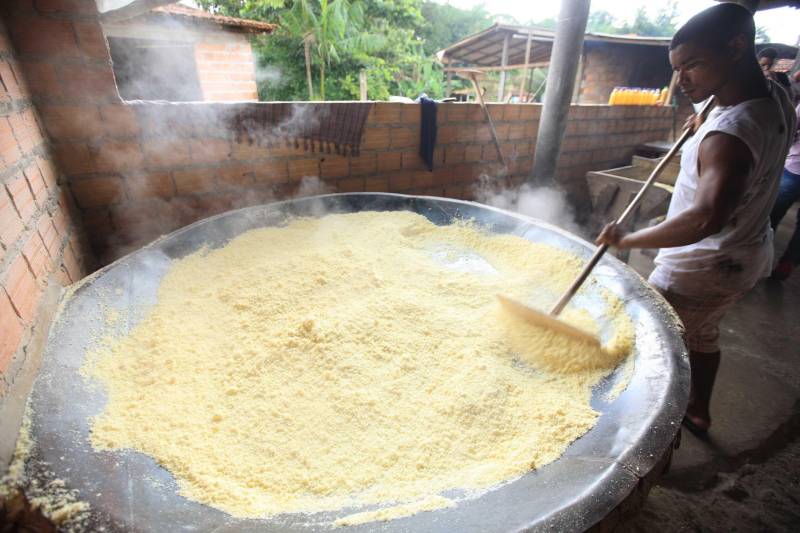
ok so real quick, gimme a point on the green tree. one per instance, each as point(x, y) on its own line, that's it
point(446, 24)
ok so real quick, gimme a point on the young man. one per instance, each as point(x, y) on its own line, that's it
point(716, 241)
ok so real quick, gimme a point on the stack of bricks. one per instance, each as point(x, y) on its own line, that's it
point(139, 170)
point(226, 70)
point(40, 245)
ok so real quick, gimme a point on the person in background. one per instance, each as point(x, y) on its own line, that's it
point(766, 60)
point(789, 193)
point(716, 241)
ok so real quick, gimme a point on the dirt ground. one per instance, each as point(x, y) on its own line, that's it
point(746, 476)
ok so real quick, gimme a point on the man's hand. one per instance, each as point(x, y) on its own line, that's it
point(693, 122)
point(612, 235)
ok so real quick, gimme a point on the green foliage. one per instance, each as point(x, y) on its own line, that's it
point(446, 24)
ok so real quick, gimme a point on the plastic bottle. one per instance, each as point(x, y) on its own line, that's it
point(662, 98)
point(612, 100)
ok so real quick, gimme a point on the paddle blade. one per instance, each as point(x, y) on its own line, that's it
point(537, 318)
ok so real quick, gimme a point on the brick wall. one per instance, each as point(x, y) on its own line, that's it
point(226, 70)
point(40, 244)
point(139, 170)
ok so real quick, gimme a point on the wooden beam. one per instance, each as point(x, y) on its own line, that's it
point(576, 92)
point(538, 64)
point(527, 60)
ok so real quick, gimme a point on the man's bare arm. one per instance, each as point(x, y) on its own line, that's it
point(724, 164)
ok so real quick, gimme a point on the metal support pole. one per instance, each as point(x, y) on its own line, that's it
point(501, 87)
point(567, 49)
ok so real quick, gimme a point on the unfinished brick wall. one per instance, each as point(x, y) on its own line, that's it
point(226, 70)
point(608, 65)
point(40, 245)
point(139, 170)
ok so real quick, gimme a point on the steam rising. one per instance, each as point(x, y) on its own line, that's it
point(544, 203)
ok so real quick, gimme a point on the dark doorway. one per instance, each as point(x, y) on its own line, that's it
point(155, 70)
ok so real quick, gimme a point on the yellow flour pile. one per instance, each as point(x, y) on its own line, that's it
point(351, 360)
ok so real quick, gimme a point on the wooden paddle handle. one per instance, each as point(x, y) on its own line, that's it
point(567, 296)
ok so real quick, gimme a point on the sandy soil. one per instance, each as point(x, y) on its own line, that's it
point(756, 497)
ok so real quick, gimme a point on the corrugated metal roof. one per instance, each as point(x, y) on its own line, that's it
point(485, 47)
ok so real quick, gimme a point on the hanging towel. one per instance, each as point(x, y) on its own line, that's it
point(427, 135)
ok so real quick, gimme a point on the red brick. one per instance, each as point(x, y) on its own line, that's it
point(49, 234)
point(301, 168)
point(350, 185)
point(334, 166)
point(60, 222)
point(473, 153)
point(275, 171)
point(447, 134)
point(400, 181)
point(10, 224)
point(74, 158)
point(48, 172)
point(36, 184)
point(84, 82)
point(150, 185)
point(236, 176)
point(22, 289)
point(376, 184)
point(8, 80)
point(390, 161)
point(376, 138)
point(22, 197)
point(9, 148)
point(35, 253)
point(166, 152)
point(72, 265)
point(410, 114)
point(194, 181)
point(91, 40)
point(37, 35)
point(366, 163)
point(404, 137)
point(72, 121)
point(96, 192)
point(386, 113)
point(72, 7)
point(117, 156)
point(412, 161)
point(119, 121)
point(22, 131)
point(454, 154)
point(10, 331)
point(209, 150)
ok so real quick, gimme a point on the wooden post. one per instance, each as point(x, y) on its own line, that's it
point(527, 60)
point(448, 85)
point(501, 87)
point(576, 92)
point(362, 83)
point(672, 83)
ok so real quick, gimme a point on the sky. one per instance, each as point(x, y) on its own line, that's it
point(782, 24)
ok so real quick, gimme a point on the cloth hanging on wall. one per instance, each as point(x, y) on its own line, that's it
point(427, 135)
point(317, 127)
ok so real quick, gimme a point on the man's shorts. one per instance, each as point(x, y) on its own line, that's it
point(700, 311)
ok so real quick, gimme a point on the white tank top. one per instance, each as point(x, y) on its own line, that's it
point(741, 253)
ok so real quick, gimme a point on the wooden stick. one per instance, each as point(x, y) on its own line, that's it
point(567, 296)
point(474, 80)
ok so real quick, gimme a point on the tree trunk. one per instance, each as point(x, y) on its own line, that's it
point(322, 79)
point(307, 49)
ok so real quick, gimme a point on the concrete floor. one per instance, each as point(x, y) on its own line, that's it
point(746, 476)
